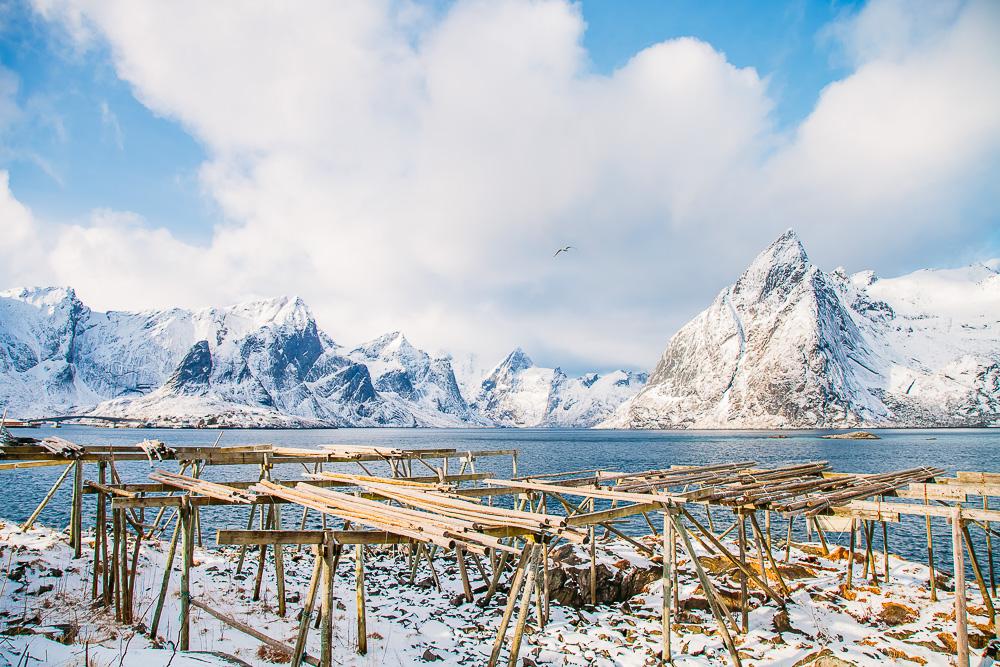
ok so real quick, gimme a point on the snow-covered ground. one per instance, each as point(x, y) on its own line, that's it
point(45, 598)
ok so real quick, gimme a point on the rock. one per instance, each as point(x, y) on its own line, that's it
point(894, 613)
point(782, 623)
point(824, 658)
point(854, 435)
point(569, 578)
point(430, 656)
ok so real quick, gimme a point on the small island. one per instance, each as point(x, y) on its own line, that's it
point(854, 435)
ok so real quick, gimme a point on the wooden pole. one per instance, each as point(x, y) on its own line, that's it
point(744, 611)
point(977, 571)
point(885, 552)
point(48, 496)
point(961, 619)
point(667, 585)
point(989, 546)
point(767, 552)
point(464, 572)
point(76, 533)
point(593, 566)
point(706, 585)
point(930, 555)
point(279, 562)
point(512, 596)
point(850, 554)
point(326, 608)
point(102, 531)
point(788, 540)
point(522, 613)
point(359, 573)
point(307, 608)
point(184, 640)
point(165, 582)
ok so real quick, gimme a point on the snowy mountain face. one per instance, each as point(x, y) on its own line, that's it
point(791, 346)
point(262, 364)
point(518, 393)
point(410, 377)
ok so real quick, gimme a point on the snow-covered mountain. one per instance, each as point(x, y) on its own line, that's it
point(423, 385)
point(789, 345)
point(261, 363)
point(518, 393)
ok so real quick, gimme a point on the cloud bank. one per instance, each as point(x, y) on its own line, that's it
point(399, 168)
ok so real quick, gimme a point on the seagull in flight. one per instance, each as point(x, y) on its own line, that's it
point(566, 249)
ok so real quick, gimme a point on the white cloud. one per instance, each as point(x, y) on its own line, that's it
point(399, 169)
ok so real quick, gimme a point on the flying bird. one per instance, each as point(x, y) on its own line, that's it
point(566, 249)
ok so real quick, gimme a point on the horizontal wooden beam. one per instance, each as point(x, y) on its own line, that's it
point(593, 518)
point(147, 487)
point(249, 537)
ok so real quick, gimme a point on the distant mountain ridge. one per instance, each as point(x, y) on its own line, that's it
point(262, 363)
point(790, 346)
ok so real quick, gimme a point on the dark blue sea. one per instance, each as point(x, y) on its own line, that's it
point(551, 450)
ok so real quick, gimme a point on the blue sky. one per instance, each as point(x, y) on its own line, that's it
point(412, 166)
point(67, 158)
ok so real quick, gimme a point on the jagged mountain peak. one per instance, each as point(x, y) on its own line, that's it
point(776, 270)
point(516, 361)
point(42, 297)
point(791, 346)
point(388, 344)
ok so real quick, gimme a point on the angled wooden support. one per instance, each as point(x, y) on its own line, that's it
point(512, 597)
point(165, 583)
point(307, 608)
point(48, 496)
point(706, 585)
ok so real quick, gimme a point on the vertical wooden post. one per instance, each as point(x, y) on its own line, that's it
point(326, 607)
point(989, 546)
point(279, 562)
point(788, 540)
point(95, 589)
point(545, 580)
point(961, 620)
point(885, 552)
point(116, 584)
point(76, 533)
point(186, 524)
point(850, 553)
point(359, 574)
point(744, 611)
point(930, 555)
point(593, 565)
point(667, 585)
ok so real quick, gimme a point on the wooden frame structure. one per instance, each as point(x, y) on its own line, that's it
point(433, 513)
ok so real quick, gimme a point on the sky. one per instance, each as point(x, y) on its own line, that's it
point(414, 165)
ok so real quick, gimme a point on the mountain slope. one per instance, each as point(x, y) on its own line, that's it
point(260, 363)
point(425, 386)
point(788, 345)
point(518, 393)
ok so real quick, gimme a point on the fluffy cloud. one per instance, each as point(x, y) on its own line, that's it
point(403, 169)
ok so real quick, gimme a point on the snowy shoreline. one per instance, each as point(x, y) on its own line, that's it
point(45, 600)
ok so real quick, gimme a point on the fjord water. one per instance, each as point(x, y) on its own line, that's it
point(546, 451)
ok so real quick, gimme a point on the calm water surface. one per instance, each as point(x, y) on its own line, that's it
point(551, 450)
